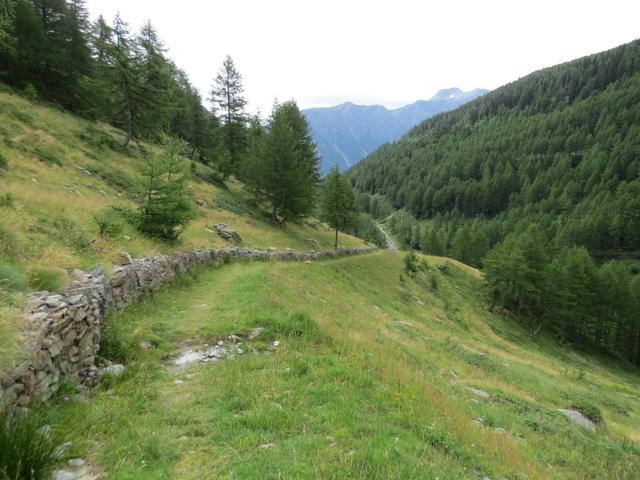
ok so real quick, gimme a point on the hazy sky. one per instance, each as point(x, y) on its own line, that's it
point(390, 52)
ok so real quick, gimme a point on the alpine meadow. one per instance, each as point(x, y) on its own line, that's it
point(365, 282)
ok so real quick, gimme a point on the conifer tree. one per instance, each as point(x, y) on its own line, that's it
point(166, 207)
point(227, 95)
point(7, 31)
point(282, 167)
point(156, 81)
point(27, 61)
point(338, 202)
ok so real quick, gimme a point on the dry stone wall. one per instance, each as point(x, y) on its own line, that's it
point(63, 330)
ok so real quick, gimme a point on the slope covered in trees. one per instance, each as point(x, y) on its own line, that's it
point(560, 147)
point(102, 71)
point(533, 182)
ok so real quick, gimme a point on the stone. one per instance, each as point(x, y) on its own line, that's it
point(115, 370)
point(64, 475)
point(577, 417)
point(76, 462)
point(56, 347)
point(226, 232)
point(124, 258)
point(500, 430)
point(200, 203)
point(80, 314)
point(276, 344)
point(477, 392)
point(126, 237)
point(38, 316)
point(313, 242)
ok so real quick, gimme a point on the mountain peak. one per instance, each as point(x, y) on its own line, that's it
point(447, 94)
point(348, 132)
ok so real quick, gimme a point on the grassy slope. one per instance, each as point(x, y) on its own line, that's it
point(368, 383)
point(51, 224)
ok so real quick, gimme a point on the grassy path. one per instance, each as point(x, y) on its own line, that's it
point(368, 382)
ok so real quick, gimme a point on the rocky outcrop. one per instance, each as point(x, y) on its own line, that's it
point(63, 331)
point(225, 231)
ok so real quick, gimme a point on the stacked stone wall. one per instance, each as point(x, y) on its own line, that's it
point(63, 329)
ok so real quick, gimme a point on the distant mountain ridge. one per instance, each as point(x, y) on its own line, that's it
point(347, 132)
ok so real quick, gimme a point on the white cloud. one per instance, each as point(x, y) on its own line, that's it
point(393, 53)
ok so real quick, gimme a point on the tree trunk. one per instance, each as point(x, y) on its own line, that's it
point(127, 139)
point(336, 247)
point(274, 215)
point(127, 93)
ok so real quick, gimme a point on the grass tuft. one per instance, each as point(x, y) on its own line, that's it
point(11, 279)
point(48, 279)
point(27, 450)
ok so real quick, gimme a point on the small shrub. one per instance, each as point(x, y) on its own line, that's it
point(433, 282)
point(97, 138)
point(47, 157)
point(27, 450)
point(116, 179)
point(71, 235)
point(116, 343)
point(46, 279)
point(128, 214)
point(588, 409)
point(411, 263)
point(4, 163)
point(8, 243)
point(444, 267)
point(7, 200)
point(294, 325)
point(30, 92)
point(11, 279)
point(109, 223)
point(232, 205)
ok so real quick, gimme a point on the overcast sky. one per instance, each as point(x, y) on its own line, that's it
point(392, 52)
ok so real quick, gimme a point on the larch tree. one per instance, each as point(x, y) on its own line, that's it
point(7, 33)
point(338, 202)
point(282, 166)
point(166, 207)
point(227, 96)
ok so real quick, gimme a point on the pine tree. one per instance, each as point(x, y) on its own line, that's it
point(431, 242)
point(282, 167)
point(338, 202)
point(166, 207)
point(156, 81)
point(7, 32)
point(515, 271)
point(27, 61)
point(78, 95)
point(227, 94)
point(124, 76)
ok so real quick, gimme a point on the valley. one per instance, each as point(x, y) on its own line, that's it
point(192, 288)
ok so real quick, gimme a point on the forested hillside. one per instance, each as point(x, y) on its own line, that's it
point(538, 182)
point(560, 147)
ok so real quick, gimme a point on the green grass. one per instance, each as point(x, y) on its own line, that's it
point(68, 200)
point(26, 450)
point(368, 382)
